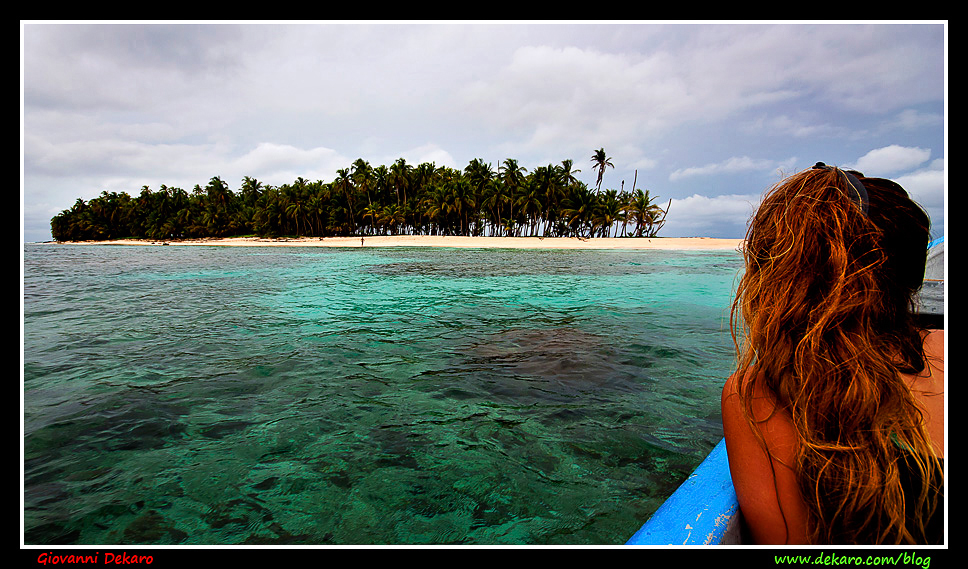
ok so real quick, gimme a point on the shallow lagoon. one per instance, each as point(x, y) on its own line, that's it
point(245, 395)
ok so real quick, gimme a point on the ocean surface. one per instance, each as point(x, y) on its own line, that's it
point(224, 396)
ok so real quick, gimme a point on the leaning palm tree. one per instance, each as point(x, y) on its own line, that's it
point(600, 161)
point(648, 217)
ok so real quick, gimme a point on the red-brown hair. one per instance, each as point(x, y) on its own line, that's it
point(824, 315)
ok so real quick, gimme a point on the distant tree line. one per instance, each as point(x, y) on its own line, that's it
point(421, 199)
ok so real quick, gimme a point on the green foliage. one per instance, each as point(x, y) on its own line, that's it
point(366, 200)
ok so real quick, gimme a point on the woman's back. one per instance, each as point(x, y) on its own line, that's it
point(768, 490)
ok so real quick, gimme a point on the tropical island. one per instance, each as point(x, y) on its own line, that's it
point(366, 201)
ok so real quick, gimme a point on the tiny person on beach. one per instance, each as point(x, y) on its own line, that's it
point(834, 419)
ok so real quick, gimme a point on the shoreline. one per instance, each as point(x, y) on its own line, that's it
point(604, 243)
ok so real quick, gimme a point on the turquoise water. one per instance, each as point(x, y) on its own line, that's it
point(202, 395)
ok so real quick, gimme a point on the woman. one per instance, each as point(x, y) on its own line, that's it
point(834, 421)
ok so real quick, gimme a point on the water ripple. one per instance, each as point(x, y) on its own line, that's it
point(186, 395)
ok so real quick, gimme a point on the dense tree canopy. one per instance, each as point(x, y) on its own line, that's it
point(382, 200)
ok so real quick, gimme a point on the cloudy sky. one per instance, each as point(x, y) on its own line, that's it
point(708, 116)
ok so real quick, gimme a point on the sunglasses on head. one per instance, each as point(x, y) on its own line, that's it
point(855, 183)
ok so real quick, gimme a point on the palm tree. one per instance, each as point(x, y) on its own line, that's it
point(428, 199)
point(530, 205)
point(580, 206)
point(609, 211)
point(463, 201)
point(600, 162)
point(381, 184)
point(391, 217)
point(217, 214)
point(658, 222)
point(295, 204)
point(645, 213)
point(363, 178)
point(317, 207)
point(180, 217)
point(491, 201)
point(479, 174)
point(272, 215)
point(400, 177)
point(372, 212)
point(513, 178)
point(481, 178)
point(344, 184)
point(438, 205)
point(251, 189)
point(296, 211)
point(566, 173)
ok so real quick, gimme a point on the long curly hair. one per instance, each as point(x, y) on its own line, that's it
point(823, 314)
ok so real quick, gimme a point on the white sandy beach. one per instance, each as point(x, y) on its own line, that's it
point(682, 243)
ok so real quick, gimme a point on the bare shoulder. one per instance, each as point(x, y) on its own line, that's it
point(774, 425)
point(762, 454)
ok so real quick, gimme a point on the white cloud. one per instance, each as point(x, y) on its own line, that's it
point(927, 187)
point(279, 164)
point(425, 153)
point(786, 125)
point(909, 119)
point(927, 184)
point(718, 216)
point(730, 166)
point(881, 162)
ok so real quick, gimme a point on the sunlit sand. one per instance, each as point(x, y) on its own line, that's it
point(684, 243)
